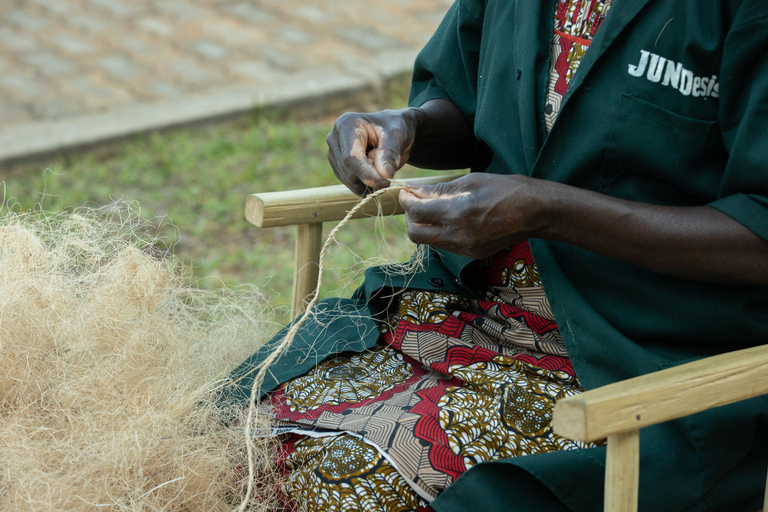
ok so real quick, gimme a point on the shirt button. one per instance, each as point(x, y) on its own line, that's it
point(548, 108)
point(437, 282)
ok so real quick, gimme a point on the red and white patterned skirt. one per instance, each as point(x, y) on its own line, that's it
point(454, 381)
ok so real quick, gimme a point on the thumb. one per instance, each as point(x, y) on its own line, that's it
point(388, 157)
point(423, 191)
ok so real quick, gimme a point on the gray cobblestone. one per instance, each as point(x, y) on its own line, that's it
point(135, 44)
point(257, 71)
point(49, 64)
point(280, 59)
point(314, 14)
point(182, 10)
point(163, 89)
point(157, 27)
point(91, 24)
point(93, 92)
point(193, 74)
point(21, 86)
point(209, 50)
point(231, 33)
point(57, 108)
point(432, 18)
point(120, 67)
point(27, 21)
point(383, 17)
point(294, 35)
point(10, 40)
point(60, 7)
point(369, 39)
point(117, 7)
point(72, 44)
point(245, 11)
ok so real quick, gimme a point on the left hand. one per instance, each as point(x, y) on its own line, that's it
point(476, 215)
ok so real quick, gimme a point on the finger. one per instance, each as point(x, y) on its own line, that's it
point(363, 171)
point(407, 198)
point(383, 162)
point(334, 152)
point(354, 145)
point(426, 233)
point(420, 192)
point(342, 172)
point(417, 209)
point(425, 210)
point(349, 180)
point(388, 156)
point(332, 139)
point(445, 190)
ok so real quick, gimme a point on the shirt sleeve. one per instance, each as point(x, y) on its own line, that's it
point(744, 120)
point(447, 67)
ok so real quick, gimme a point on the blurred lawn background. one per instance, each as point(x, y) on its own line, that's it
point(194, 183)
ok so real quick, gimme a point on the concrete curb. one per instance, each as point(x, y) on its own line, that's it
point(309, 88)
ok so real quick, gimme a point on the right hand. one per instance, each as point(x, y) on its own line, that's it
point(365, 150)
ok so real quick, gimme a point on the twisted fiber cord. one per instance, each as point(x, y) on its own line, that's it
point(259, 379)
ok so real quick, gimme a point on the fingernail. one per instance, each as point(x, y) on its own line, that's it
point(389, 168)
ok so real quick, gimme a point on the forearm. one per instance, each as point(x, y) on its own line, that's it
point(698, 243)
point(443, 138)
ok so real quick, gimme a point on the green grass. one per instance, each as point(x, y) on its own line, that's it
point(197, 180)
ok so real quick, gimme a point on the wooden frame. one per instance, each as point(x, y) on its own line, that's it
point(617, 411)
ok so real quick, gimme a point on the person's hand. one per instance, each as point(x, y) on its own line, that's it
point(365, 150)
point(476, 215)
point(480, 214)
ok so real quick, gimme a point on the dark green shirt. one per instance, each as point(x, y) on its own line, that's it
point(669, 106)
point(687, 127)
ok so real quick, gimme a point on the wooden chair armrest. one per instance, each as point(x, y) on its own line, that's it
point(664, 395)
point(315, 205)
point(618, 411)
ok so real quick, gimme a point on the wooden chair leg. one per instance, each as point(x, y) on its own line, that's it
point(306, 265)
point(622, 471)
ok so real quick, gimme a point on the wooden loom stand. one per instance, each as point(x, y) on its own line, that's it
point(616, 411)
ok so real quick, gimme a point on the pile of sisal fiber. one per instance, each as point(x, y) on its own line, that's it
point(110, 360)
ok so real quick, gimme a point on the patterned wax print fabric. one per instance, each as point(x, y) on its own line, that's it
point(576, 23)
point(454, 381)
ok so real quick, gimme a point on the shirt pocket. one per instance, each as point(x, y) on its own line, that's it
point(657, 156)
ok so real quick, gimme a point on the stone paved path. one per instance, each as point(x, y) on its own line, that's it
point(72, 65)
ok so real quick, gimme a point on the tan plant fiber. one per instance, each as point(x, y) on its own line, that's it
point(110, 360)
